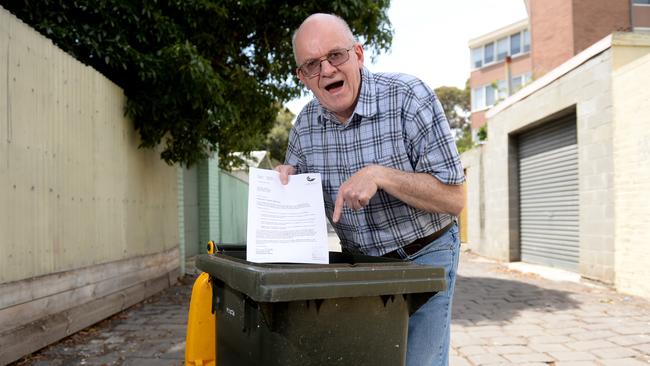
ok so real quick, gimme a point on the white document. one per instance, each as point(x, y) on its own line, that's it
point(286, 223)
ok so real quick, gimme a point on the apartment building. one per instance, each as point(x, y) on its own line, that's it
point(495, 56)
point(562, 180)
point(504, 60)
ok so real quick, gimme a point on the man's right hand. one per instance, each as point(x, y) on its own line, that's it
point(285, 171)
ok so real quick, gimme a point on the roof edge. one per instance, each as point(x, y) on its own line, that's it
point(499, 33)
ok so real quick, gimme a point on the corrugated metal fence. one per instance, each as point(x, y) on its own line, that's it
point(233, 194)
point(88, 221)
point(215, 207)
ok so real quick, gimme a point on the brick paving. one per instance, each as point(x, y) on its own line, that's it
point(151, 333)
point(506, 317)
point(501, 317)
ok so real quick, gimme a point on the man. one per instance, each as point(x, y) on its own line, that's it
point(390, 169)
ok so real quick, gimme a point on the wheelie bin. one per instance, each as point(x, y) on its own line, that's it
point(353, 311)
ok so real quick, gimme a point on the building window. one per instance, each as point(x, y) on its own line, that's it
point(641, 2)
point(502, 90)
point(478, 98)
point(488, 53)
point(477, 57)
point(526, 40)
point(515, 43)
point(490, 95)
point(520, 80)
point(517, 82)
point(502, 48)
point(484, 96)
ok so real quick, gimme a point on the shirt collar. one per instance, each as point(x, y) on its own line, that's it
point(366, 102)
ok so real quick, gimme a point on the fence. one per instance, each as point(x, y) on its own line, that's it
point(88, 224)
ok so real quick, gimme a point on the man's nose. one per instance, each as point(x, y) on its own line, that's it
point(326, 68)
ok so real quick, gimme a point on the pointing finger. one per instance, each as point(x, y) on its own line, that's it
point(338, 207)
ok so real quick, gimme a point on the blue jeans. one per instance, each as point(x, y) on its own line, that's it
point(428, 333)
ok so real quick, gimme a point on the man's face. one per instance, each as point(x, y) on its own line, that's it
point(336, 87)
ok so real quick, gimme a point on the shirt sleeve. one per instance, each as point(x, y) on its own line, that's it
point(433, 148)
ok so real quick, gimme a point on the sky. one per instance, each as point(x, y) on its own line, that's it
point(431, 38)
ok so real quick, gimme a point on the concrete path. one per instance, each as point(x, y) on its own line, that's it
point(501, 317)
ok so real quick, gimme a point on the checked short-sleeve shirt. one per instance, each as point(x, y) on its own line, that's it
point(399, 123)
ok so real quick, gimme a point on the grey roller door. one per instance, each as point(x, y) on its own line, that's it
point(548, 194)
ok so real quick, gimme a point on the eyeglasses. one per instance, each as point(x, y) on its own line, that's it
point(335, 57)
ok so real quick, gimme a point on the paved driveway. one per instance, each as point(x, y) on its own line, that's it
point(506, 317)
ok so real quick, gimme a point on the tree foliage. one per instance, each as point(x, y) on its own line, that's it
point(278, 138)
point(456, 103)
point(464, 140)
point(197, 73)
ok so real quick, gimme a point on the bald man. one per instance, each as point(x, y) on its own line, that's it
point(390, 169)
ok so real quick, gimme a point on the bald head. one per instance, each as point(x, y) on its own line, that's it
point(335, 74)
point(328, 21)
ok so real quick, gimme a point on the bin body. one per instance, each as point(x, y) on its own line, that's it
point(353, 311)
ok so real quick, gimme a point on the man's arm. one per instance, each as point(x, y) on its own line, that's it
point(419, 190)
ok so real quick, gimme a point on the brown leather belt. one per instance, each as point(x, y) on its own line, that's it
point(418, 244)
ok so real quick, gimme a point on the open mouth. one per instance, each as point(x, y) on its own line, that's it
point(335, 86)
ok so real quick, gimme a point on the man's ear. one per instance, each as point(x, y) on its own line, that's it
point(358, 51)
point(300, 76)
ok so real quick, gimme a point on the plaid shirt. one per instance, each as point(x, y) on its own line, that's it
point(398, 122)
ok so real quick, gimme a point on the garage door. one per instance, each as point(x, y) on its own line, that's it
point(548, 189)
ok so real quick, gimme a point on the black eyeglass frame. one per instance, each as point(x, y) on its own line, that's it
point(323, 58)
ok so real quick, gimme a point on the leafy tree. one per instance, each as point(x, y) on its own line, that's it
point(278, 138)
point(197, 73)
point(456, 103)
point(464, 140)
point(482, 133)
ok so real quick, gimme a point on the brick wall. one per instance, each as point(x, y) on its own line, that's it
point(520, 65)
point(551, 32)
point(594, 19)
point(642, 16)
point(631, 155)
point(561, 29)
point(477, 119)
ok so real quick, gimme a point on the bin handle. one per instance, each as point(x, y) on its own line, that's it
point(211, 247)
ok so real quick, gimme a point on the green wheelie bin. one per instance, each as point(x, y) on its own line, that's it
point(353, 311)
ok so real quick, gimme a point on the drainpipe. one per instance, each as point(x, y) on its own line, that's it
point(632, 15)
point(508, 75)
